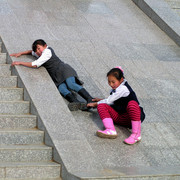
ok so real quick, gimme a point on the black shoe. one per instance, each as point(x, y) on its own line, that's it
point(71, 98)
point(84, 107)
point(74, 106)
point(83, 93)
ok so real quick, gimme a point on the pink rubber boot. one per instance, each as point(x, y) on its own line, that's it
point(110, 131)
point(136, 133)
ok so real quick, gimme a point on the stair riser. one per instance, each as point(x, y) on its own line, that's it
point(2, 58)
point(15, 122)
point(5, 70)
point(10, 81)
point(11, 94)
point(24, 155)
point(25, 172)
point(14, 107)
point(30, 137)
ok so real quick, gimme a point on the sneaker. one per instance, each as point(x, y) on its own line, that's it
point(108, 133)
point(132, 139)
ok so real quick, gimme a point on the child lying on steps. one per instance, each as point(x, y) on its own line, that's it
point(121, 107)
point(63, 75)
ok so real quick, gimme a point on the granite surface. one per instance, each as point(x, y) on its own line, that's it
point(93, 37)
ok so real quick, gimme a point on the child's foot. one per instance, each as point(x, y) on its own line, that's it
point(74, 106)
point(108, 133)
point(132, 139)
point(136, 133)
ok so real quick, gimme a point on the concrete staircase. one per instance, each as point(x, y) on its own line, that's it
point(23, 155)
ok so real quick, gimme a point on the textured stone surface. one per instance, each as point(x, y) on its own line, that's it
point(93, 37)
point(175, 5)
point(5, 70)
point(164, 14)
point(2, 58)
point(14, 107)
point(29, 170)
point(21, 136)
point(11, 94)
point(8, 81)
point(17, 121)
point(28, 153)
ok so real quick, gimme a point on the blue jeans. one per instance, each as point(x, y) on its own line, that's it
point(69, 84)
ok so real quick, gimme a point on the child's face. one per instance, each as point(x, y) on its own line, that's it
point(40, 49)
point(114, 82)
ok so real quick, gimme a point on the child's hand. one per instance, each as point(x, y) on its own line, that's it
point(92, 104)
point(96, 99)
point(16, 63)
point(16, 54)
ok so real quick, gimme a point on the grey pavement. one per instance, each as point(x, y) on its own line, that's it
point(164, 15)
point(175, 5)
point(93, 37)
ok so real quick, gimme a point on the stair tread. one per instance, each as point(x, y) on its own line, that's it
point(20, 130)
point(33, 179)
point(36, 179)
point(17, 101)
point(10, 88)
point(26, 164)
point(17, 115)
point(29, 146)
point(18, 121)
point(8, 76)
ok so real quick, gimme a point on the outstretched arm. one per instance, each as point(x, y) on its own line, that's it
point(28, 52)
point(27, 64)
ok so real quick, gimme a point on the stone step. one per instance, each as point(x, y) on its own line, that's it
point(33, 179)
point(8, 81)
point(14, 107)
point(25, 170)
point(25, 153)
point(11, 94)
point(30, 136)
point(2, 58)
point(5, 70)
point(17, 121)
point(0, 47)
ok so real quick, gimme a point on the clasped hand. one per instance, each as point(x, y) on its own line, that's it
point(93, 104)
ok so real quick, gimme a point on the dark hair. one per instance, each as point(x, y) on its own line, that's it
point(116, 72)
point(38, 42)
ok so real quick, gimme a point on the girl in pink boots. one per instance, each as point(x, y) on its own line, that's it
point(121, 107)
